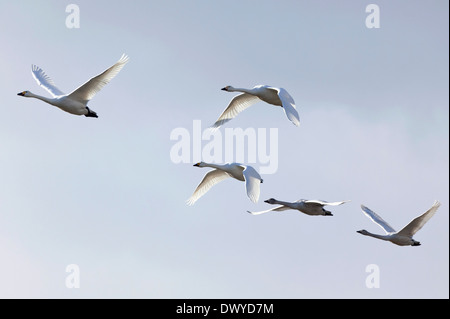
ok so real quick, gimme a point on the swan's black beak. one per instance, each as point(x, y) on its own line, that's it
point(198, 164)
point(266, 201)
point(224, 89)
point(21, 93)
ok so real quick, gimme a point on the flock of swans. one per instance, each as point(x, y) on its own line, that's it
point(76, 103)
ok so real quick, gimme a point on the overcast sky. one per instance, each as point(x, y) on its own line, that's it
point(104, 194)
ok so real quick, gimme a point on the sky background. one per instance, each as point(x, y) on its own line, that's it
point(104, 194)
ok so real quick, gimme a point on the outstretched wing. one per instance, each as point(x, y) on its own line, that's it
point(45, 81)
point(237, 105)
point(377, 220)
point(288, 106)
point(210, 179)
point(87, 91)
point(417, 223)
point(252, 183)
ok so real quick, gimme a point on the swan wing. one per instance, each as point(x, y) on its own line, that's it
point(275, 209)
point(45, 81)
point(325, 203)
point(377, 220)
point(288, 106)
point(87, 91)
point(210, 179)
point(252, 183)
point(237, 105)
point(417, 223)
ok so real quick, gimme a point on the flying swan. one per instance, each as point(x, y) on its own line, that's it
point(238, 171)
point(75, 102)
point(266, 93)
point(404, 236)
point(308, 207)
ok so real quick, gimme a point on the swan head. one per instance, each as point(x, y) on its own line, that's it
point(363, 232)
point(228, 88)
point(24, 93)
point(200, 164)
point(270, 201)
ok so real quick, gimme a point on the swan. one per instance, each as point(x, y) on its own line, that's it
point(75, 102)
point(404, 236)
point(238, 171)
point(266, 93)
point(309, 207)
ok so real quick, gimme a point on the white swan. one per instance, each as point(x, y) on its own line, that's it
point(309, 207)
point(404, 236)
point(269, 94)
point(238, 171)
point(75, 102)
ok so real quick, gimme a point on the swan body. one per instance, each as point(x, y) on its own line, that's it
point(266, 93)
point(75, 102)
point(404, 236)
point(308, 207)
point(237, 171)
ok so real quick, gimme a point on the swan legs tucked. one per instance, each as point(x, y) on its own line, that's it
point(90, 113)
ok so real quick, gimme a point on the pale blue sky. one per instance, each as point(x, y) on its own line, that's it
point(104, 194)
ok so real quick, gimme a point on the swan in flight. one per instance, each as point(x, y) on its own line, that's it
point(238, 171)
point(404, 236)
point(309, 207)
point(75, 102)
point(266, 93)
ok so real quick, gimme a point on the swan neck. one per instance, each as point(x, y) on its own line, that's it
point(287, 204)
point(39, 97)
point(218, 166)
point(249, 91)
point(382, 237)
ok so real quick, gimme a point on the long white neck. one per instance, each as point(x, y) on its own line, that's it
point(218, 166)
point(249, 91)
point(42, 98)
point(287, 204)
point(382, 237)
